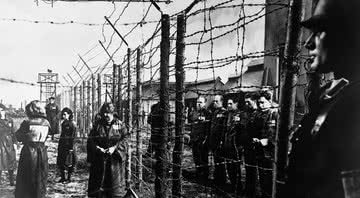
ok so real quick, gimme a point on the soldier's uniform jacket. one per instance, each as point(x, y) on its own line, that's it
point(265, 122)
point(217, 129)
point(326, 144)
point(52, 110)
point(233, 128)
point(200, 125)
point(264, 128)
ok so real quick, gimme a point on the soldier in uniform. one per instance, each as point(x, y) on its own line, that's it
point(52, 111)
point(107, 147)
point(246, 140)
point(264, 140)
point(7, 149)
point(32, 175)
point(215, 139)
point(200, 126)
point(262, 133)
point(231, 148)
point(324, 158)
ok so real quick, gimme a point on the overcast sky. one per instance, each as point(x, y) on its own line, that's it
point(28, 48)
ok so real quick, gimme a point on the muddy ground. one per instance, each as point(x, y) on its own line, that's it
point(78, 186)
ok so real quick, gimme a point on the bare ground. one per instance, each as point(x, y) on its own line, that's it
point(192, 187)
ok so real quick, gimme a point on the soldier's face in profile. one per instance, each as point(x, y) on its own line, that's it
point(318, 47)
point(263, 103)
point(109, 117)
point(217, 102)
point(200, 103)
point(250, 103)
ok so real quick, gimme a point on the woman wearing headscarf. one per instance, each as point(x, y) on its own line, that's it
point(66, 155)
point(32, 173)
point(106, 149)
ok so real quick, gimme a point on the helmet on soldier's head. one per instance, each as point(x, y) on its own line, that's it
point(334, 14)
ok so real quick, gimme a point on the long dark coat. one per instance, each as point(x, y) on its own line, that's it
point(7, 150)
point(66, 143)
point(52, 111)
point(107, 171)
point(321, 153)
point(32, 172)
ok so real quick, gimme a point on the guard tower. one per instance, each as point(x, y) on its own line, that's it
point(48, 82)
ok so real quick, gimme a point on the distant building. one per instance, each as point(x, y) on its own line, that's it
point(251, 80)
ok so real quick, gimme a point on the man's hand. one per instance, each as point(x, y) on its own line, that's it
point(111, 150)
point(101, 149)
point(264, 142)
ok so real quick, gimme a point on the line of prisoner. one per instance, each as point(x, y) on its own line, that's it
point(228, 135)
point(234, 133)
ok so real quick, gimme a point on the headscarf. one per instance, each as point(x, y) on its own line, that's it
point(35, 110)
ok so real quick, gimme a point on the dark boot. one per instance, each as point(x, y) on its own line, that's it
point(11, 177)
point(0, 178)
point(62, 174)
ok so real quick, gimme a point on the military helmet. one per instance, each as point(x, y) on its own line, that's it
point(334, 14)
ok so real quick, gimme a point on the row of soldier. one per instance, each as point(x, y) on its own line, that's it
point(221, 137)
point(232, 134)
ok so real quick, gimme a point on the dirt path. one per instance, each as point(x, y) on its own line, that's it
point(76, 188)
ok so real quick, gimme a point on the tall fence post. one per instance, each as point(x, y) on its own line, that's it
point(119, 93)
point(287, 95)
point(129, 118)
point(88, 107)
point(80, 110)
point(83, 110)
point(99, 91)
point(93, 97)
point(75, 104)
point(179, 105)
point(161, 190)
point(138, 125)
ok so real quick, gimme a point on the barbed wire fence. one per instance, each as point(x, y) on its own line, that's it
point(193, 54)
